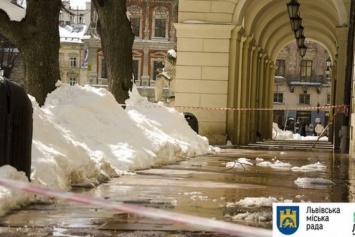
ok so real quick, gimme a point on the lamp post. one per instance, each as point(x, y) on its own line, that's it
point(299, 32)
point(293, 8)
point(302, 50)
point(327, 71)
point(293, 13)
point(296, 23)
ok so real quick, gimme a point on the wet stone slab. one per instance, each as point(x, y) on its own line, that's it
point(203, 186)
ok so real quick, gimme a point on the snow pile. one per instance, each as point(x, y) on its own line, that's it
point(279, 134)
point(82, 137)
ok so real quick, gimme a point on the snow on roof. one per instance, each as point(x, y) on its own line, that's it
point(72, 34)
point(14, 12)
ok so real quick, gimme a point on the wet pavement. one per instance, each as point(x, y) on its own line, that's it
point(203, 186)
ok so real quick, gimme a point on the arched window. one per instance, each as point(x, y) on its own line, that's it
point(160, 22)
point(135, 13)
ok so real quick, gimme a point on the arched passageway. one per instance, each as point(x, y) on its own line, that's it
point(226, 60)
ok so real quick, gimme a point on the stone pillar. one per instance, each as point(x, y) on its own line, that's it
point(270, 100)
point(202, 75)
point(253, 93)
point(244, 80)
point(264, 100)
point(342, 35)
point(145, 75)
point(332, 103)
point(232, 100)
point(261, 94)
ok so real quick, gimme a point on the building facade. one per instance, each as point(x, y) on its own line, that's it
point(302, 88)
point(153, 27)
point(72, 54)
point(75, 13)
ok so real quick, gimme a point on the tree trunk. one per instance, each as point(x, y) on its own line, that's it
point(117, 40)
point(37, 37)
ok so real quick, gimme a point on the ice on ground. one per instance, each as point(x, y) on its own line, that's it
point(275, 165)
point(313, 182)
point(240, 163)
point(308, 168)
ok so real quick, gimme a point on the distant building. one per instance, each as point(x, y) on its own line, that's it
point(153, 25)
point(303, 86)
point(77, 12)
point(81, 58)
point(72, 54)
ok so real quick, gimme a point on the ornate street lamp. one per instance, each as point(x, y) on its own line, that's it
point(300, 40)
point(302, 50)
point(327, 71)
point(293, 8)
point(296, 22)
point(299, 32)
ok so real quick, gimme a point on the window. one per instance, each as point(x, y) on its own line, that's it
point(103, 68)
point(61, 58)
point(73, 61)
point(72, 81)
point(160, 30)
point(135, 70)
point(280, 71)
point(61, 16)
point(160, 22)
point(135, 16)
point(305, 99)
point(278, 97)
point(306, 70)
point(81, 19)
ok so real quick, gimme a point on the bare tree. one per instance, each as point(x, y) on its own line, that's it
point(37, 38)
point(117, 39)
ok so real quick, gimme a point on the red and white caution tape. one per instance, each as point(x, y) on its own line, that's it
point(244, 109)
point(188, 220)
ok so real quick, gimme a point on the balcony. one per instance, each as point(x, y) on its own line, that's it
point(315, 81)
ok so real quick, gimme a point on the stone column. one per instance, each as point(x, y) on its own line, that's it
point(145, 75)
point(202, 75)
point(245, 77)
point(261, 93)
point(332, 103)
point(270, 100)
point(253, 93)
point(232, 100)
point(264, 99)
point(342, 35)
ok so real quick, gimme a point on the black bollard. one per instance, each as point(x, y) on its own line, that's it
point(16, 127)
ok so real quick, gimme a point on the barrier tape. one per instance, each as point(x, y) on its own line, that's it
point(184, 219)
point(245, 109)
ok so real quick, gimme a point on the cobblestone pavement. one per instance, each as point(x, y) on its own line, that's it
point(200, 186)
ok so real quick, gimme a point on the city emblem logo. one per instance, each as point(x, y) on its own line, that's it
point(287, 219)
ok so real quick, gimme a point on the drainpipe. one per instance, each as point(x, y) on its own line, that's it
point(344, 132)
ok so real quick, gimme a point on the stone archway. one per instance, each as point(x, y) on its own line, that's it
point(226, 54)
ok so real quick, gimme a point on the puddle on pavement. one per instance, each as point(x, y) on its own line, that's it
point(203, 187)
